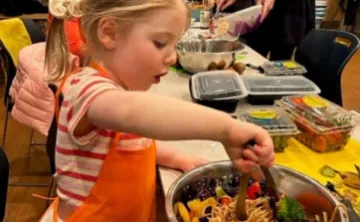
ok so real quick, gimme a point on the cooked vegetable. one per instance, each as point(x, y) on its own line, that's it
point(184, 214)
point(225, 200)
point(289, 210)
point(220, 191)
point(254, 191)
point(195, 219)
point(327, 171)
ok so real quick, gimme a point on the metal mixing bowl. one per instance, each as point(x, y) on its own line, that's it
point(195, 55)
point(289, 182)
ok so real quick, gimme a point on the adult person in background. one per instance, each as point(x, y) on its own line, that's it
point(285, 24)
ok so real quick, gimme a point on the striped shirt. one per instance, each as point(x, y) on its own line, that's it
point(80, 159)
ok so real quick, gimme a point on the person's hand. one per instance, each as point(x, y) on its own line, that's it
point(187, 163)
point(267, 6)
point(223, 4)
point(244, 157)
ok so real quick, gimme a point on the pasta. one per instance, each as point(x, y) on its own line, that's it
point(258, 211)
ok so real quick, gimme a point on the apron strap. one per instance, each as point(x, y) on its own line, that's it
point(59, 91)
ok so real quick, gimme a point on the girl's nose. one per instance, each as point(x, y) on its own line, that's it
point(171, 59)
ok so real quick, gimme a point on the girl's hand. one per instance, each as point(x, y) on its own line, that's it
point(187, 163)
point(243, 157)
point(267, 6)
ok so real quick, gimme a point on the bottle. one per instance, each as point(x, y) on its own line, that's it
point(205, 14)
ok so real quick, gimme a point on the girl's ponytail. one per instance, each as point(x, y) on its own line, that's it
point(57, 53)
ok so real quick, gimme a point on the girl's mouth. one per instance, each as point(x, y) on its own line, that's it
point(157, 78)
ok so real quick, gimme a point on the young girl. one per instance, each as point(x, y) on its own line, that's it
point(105, 169)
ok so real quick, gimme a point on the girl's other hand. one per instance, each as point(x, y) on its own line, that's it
point(236, 145)
point(187, 163)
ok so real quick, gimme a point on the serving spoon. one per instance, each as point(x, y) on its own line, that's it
point(240, 207)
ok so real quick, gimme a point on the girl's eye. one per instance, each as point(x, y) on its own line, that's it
point(159, 45)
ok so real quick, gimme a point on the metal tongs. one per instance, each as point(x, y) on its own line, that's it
point(240, 207)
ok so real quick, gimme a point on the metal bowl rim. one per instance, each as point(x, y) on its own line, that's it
point(213, 53)
point(169, 207)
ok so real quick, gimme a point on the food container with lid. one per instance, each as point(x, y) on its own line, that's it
point(278, 68)
point(275, 121)
point(267, 89)
point(324, 126)
point(221, 90)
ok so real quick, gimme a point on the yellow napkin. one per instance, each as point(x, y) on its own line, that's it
point(300, 158)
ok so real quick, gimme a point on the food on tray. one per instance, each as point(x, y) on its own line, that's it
point(350, 179)
point(325, 126)
point(213, 200)
point(275, 121)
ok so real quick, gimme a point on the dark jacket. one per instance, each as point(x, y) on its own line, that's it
point(289, 19)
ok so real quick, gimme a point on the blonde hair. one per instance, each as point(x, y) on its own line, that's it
point(126, 12)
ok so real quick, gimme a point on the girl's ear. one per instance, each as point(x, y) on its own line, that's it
point(107, 32)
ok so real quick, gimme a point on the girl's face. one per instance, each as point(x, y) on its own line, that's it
point(142, 56)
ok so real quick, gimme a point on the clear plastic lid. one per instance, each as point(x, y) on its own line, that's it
point(274, 120)
point(321, 114)
point(279, 85)
point(217, 85)
point(283, 68)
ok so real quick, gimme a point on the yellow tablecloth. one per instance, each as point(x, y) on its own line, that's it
point(300, 158)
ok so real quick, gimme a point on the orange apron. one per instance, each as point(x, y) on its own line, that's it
point(126, 186)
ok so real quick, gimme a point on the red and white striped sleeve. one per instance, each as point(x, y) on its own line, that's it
point(80, 93)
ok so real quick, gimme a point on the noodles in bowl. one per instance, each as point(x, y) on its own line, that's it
point(211, 197)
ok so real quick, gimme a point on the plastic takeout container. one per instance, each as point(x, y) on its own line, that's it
point(267, 89)
point(238, 23)
point(324, 126)
point(221, 90)
point(275, 121)
point(276, 68)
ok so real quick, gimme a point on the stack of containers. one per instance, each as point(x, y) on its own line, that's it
point(324, 126)
point(320, 11)
point(220, 90)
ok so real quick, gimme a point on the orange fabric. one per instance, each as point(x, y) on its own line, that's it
point(125, 189)
point(73, 35)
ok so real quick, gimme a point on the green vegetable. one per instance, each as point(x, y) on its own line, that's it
point(220, 191)
point(327, 171)
point(289, 210)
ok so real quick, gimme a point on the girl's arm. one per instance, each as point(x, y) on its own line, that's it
point(167, 156)
point(157, 116)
